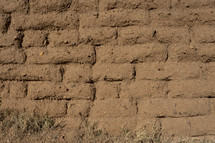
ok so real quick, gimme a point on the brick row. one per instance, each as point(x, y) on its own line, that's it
point(52, 90)
point(181, 17)
point(30, 72)
point(114, 18)
point(188, 126)
point(18, 6)
point(192, 4)
point(112, 72)
point(136, 53)
point(45, 6)
point(43, 108)
point(191, 53)
point(191, 88)
point(98, 36)
point(106, 5)
point(56, 55)
point(52, 20)
point(162, 89)
point(170, 71)
point(141, 35)
point(144, 89)
point(173, 107)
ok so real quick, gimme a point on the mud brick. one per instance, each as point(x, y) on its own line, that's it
point(89, 20)
point(106, 90)
point(63, 37)
point(144, 89)
point(175, 127)
point(156, 4)
point(4, 89)
point(85, 6)
point(192, 4)
point(112, 72)
point(11, 55)
point(173, 35)
point(182, 17)
point(204, 34)
point(191, 88)
point(208, 71)
point(45, 6)
point(212, 102)
point(112, 108)
point(106, 5)
point(34, 39)
point(206, 51)
point(52, 20)
point(50, 108)
point(114, 126)
point(188, 126)
point(19, 6)
point(173, 107)
point(190, 53)
point(80, 54)
point(4, 22)
point(30, 72)
point(136, 53)
point(168, 71)
point(78, 108)
point(18, 89)
point(114, 19)
point(135, 35)
point(141, 35)
point(78, 73)
point(207, 128)
point(8, 39)
point(21, 105)
point(183, 53)
point(98, 36)
point(52, 90)
point(43, 108)
point(147, 124)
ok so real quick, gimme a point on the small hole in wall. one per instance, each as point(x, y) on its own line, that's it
point(67, 89)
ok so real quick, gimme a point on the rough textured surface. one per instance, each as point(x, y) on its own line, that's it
point(115, 62)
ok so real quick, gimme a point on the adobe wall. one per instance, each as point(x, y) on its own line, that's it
point(120, 63)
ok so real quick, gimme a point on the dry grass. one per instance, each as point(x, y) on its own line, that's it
point(18, 124)
point(90, 134)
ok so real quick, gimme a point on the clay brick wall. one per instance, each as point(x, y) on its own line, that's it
point(130, 63)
